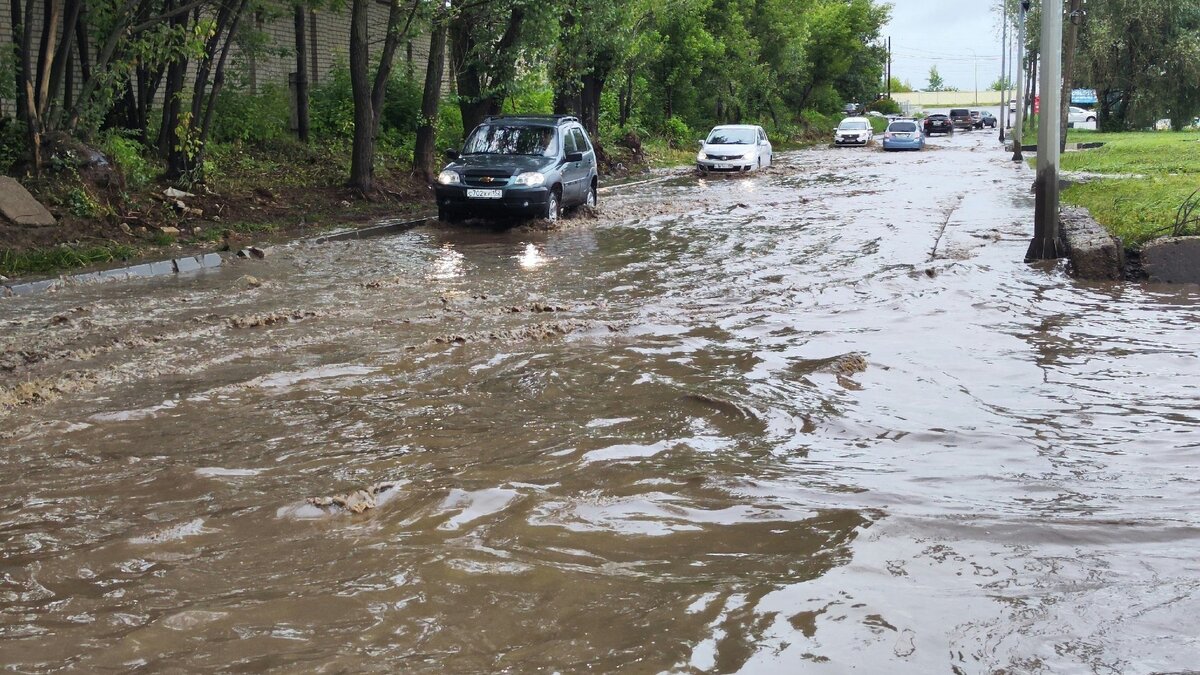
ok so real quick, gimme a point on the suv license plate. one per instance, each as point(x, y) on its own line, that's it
point(720, 165)
point(484, 194)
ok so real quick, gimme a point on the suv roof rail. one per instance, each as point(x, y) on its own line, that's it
point(545, 118)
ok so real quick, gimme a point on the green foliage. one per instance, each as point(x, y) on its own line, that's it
point(900, 87)
point(936, 83)
point(130, 157)
point(878, 124)
point(677, 133)
point(1136, 209)
point(252, 118)
point(41, 261)
point(82, 204)
point(12, 143)
point(1002, 84)
point(450, 132)
point(331, 108)
point(886, 106)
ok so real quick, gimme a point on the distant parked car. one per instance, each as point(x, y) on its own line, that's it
point(733, 148)
point(988, 119)
point(852, 109)
point(853, 131)
point(977, 118)
point(520, 165)
point(903, 135)
point(938, 123)
point(961, 119)
point(1080, 116)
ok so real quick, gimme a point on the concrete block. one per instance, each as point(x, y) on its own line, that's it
point(189, 264)
point(1173, 260)
point(209, 260)
point(19, 207)
point(1095, 254)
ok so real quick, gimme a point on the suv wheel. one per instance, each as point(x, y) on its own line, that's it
point(590, 200)
point(553, 206)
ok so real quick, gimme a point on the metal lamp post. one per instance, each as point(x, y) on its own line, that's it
point(1044, 245)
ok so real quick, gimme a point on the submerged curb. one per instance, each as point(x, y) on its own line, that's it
point(380, 229)
point(184, 265)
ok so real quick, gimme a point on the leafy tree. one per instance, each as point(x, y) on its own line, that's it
point(1002, 84)
point(936, 83)
point(899, 86)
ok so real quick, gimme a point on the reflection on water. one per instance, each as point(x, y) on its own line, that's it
point(531, 258)
point(756, 427)
point(448, 264)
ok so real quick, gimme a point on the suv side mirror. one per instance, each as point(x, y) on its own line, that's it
point(451, 154)
point(573, 157)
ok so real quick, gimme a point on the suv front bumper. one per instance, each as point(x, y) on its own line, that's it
point(513, 201)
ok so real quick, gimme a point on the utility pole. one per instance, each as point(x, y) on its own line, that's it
point(1044, 245)
point(1003, 72)
point(1019, 95)
point(889, 69)
point(1075, 15)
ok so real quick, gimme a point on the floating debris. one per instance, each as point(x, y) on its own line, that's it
point(358, 501)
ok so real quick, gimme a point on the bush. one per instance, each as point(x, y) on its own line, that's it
point(886, 106)
point(677, 132)
point(12, 143)
point(252, 118)
point(450, 130)
point(130, 158)
point(331, 108)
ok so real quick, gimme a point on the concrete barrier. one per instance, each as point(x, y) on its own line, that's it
point(1095, 254)
point(1173, 260)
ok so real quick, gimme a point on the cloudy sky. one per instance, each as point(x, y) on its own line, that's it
point(943, 33)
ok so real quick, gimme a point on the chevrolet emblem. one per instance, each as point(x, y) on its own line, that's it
point(486, 179)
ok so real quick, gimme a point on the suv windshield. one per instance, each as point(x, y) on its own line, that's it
point(851, 125)
point(497, 139)
point(732, 137)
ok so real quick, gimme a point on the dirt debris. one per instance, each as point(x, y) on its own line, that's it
point(358, 501)
point(272, 319)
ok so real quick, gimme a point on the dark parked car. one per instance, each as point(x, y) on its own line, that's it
point(988, 120)
point(852, 109)
point(938, 124)
point(961, 118)
point(526, 165)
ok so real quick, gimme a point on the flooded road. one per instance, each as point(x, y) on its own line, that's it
point(818, 420)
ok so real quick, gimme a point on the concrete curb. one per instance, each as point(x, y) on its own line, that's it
point(184, 265)
point(380, 229)
point(1173, 260)
point(1095, 254)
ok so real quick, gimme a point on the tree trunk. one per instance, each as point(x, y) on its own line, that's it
point(218, 82)
point(423, 150)
point(66, 48)
point(362, 159)
point(301, 75)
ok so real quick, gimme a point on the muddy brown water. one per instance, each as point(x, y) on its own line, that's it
point(818, 420)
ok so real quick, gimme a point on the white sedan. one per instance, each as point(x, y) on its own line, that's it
point(1080, 116)
point(734, 148)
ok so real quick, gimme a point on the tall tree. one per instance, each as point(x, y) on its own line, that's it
point(423, 148)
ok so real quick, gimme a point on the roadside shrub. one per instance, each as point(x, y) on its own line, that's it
point(677, 132)
point(252, 118)
point(816, 123)
point(129, 156)
point(12, 143)
point(450, 132)
point(886, 106)
point(401, 106)
point(331, 106)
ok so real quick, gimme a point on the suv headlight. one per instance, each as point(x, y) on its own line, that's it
point(530, 178)
point(700, 156)
point(449, 177)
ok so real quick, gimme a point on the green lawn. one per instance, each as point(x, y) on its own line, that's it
point(1135, 209)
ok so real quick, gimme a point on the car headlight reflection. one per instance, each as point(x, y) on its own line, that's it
point(530, 178)
point(449, 177)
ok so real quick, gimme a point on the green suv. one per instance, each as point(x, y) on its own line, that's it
point(519, 165)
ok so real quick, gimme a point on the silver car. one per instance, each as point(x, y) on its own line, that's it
point(732, 148)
